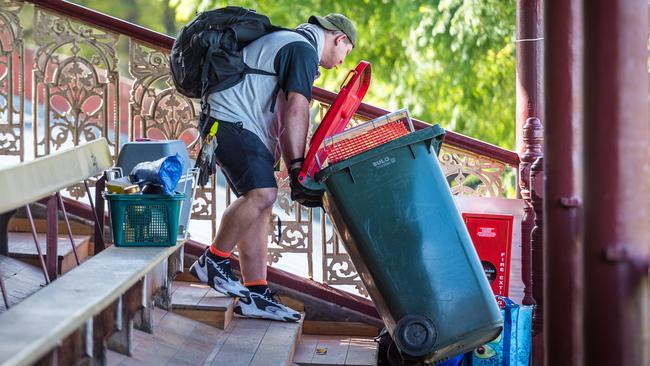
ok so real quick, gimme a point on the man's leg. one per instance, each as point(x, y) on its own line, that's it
point(242, 215)
point(213, 266)
point(260, 303)
point(253, 249)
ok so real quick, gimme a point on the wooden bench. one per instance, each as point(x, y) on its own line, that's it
point(95, 305)
point(106, 285)
point(31, 181)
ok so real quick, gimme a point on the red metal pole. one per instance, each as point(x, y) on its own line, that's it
point(530, 51)
point(67, 224)
point(563, 272)
point(616, 190)
point(52, 236)
point(529, 98)
point(38, 246)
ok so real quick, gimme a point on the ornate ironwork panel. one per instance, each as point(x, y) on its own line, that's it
point(471, 174)
point(291, 227)
point(75, 82)
point(338, 268)
point(12, 94)
point(158, 111)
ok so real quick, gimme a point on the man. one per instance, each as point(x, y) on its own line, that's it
point(257, 121)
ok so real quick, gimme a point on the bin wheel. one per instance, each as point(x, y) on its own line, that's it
point(415, 335)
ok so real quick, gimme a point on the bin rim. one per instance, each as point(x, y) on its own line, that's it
point(434, 132)
point(140, 196)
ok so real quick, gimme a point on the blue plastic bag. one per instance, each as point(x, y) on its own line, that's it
point(513, 346)
point(164, 172)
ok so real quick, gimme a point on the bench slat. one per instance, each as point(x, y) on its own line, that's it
point(32, 328)
point(30, 181)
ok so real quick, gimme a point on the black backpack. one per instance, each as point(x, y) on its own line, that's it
point(207, 54)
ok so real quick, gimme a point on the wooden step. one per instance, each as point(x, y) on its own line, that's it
point(20, 224)
point(324, 350)
point(186, 276)
point(201, 303)
point(21, 247)
point(178, 340)
point(20, 279)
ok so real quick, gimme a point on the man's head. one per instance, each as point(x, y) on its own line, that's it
point(340, 38)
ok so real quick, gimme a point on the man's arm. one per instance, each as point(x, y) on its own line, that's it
point(296, 126)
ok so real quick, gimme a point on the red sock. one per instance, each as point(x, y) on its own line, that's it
point(256, 283)
point(218, 253)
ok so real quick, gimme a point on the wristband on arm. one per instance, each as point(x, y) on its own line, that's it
point(296, 163)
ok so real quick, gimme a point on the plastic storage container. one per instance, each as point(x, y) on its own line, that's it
point(392, 207)
point(136, 152)
point(144, 219)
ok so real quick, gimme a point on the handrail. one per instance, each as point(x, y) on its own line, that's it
point(452, 138)
point(161, 40)
point(108, 22)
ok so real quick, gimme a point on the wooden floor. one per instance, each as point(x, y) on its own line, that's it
point(336, 350)
point(20, 279)
point(181, 341)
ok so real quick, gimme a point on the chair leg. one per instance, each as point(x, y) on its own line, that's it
point(38, 247)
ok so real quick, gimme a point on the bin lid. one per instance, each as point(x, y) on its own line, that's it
point(347, 102)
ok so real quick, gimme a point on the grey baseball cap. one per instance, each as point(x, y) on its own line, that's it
point(335, 21)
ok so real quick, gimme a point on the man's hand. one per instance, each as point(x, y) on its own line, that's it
point(301, 194)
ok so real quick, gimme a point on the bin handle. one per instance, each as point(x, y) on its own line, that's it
point(350, 75)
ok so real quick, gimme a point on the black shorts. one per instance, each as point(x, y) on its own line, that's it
point(244, 159)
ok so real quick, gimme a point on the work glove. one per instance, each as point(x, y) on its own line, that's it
point(301, 194)
point(205, 161)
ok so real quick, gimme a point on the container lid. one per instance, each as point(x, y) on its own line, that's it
point(347, 102)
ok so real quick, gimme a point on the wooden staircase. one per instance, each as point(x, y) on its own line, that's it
point(21, 247)
point(201, 329)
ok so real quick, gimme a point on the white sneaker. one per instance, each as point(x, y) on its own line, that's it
point(265, 306)
point(218, 276)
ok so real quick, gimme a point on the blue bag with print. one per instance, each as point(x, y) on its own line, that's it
point(513, 346)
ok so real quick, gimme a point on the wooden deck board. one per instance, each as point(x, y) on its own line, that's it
point(182, 341)
point(336, 350)
point(305, 349)
point(316, 350)
point(21, 280)
point(278, 345)
point(362, 352)
point(242, 343)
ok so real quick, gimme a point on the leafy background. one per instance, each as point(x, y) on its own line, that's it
point(448, 61)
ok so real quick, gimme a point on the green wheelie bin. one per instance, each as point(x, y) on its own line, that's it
point(392, 207)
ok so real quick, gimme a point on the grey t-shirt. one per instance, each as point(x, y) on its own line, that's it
point(293, 60)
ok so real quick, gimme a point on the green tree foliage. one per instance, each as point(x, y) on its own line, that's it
point(449, 61)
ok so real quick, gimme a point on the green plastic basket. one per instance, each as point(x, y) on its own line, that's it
point(144, 220)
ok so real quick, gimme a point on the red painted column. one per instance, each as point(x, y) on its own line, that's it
point(563, 272)
point(529, 115)
point(52, 237)
point(530, 51)
point(616, 188)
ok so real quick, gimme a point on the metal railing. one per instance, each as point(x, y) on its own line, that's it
point(87, 75)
